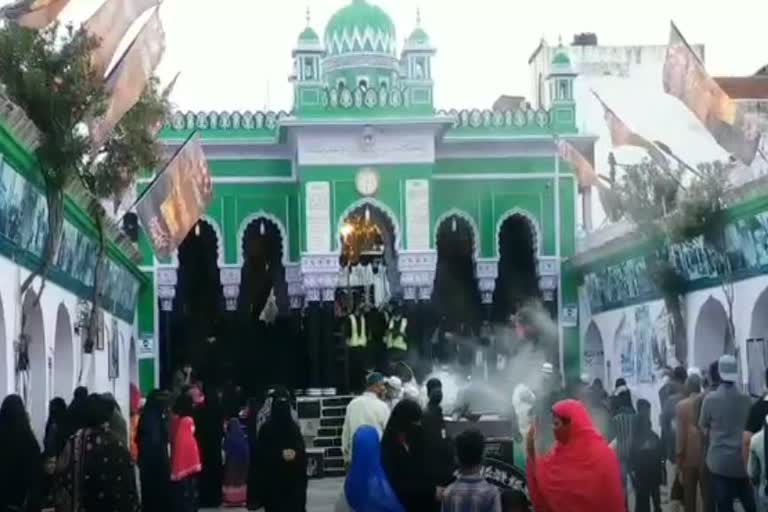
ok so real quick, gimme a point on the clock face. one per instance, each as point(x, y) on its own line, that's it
point(367, 182)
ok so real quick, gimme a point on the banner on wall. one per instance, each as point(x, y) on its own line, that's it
point(177, 198)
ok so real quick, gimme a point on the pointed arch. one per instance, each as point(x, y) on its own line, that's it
point(63, 354)
point(532, 224)
point(37, 393)
point(456, 212)
point(710, 333)
point(219, 241)
point(593, 353)
point(383, 208)
point(261, 214)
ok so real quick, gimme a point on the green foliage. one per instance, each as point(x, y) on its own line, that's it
point(132, 147)
point(702, 209)
point(48, 73)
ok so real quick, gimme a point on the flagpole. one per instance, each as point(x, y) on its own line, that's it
point(162, 170)
point(559, 260)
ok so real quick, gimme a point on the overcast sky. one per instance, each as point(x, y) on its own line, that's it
point(236, 54)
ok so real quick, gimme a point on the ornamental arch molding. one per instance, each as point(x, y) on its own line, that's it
point(461, 214)
point(710, 332)
point(533, 225)
point(383, 208)
point(265, 216)
point(219, 241)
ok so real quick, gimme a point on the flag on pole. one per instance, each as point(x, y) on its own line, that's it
point(622, 135)
point(177, 198)
point(109, 24)
point(585, 174)
point(127, 80)
point(34, 14)
point(158, 124)
point(685, 78)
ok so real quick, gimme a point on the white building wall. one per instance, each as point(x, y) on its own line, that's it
point(629, 80)
point(43, 385)
point(609, 323)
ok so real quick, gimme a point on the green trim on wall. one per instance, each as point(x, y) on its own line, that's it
point(251, 168)
point(146, 376)
point(511, 165)
point(146, 306)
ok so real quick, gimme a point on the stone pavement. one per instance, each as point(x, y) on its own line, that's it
point(322, 495)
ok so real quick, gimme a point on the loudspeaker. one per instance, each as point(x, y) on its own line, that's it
point(131, 226)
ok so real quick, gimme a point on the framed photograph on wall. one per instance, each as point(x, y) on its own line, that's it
point(114, 353)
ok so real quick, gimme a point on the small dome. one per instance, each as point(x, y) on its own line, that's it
point(309, 36)
point(561, 64)
point(419, 36)
point(360, 27)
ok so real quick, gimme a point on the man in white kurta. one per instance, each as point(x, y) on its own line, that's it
point(367, 409)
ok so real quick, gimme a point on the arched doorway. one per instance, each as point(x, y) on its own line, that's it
point(263, 270)
point(757, 345)
point(368, 243)
point(63, 356)
point(263, 355)
point(198, 304)
point(5, 385)
point(456, 294)
point(518, 278)
point(33, 374)
point(593, 354)
point(710, 334)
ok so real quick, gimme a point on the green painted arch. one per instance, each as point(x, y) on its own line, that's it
point(261, 214)
point(533, 224)
point(469, 219)
point(220, 240)
point(374, 203)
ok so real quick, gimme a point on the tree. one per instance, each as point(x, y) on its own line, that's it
point(645, 195)
point(48, 73)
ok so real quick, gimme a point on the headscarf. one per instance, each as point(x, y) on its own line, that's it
point(403, 427)
point(580, 473)
point(367, 488)
point(152, 432)
point(266, 409)
point(235, 443)
point(55, 427)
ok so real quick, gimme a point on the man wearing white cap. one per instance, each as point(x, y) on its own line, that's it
point(723, 416)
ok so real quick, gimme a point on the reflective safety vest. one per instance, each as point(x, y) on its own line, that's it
point(357, 338)
point(395, 339)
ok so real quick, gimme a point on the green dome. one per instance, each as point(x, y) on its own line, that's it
point(309, 36)
point(418, 36)
point(360, 28)
point(561, 59)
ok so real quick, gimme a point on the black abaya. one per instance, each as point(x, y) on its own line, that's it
point(153, 462)
point(281, 484)
point(209, 431)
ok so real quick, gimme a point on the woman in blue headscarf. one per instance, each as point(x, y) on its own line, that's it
point(366, 488)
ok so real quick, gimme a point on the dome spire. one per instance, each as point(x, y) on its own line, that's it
point(309, 16)
point(418, 17)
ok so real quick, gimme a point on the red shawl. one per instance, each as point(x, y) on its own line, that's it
point(578, 475)
point(185, 456)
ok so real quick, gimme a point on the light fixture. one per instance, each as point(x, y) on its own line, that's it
point(367, 214)
point(453, 225)
point(347, 229)
point(261, 228)
point(197, 229)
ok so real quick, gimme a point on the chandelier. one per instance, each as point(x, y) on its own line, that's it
point(361, 241)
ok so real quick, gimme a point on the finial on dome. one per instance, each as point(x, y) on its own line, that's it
point(418, 17)
point(560, 40)
point(309, 16)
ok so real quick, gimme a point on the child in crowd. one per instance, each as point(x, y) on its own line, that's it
point(471, 491)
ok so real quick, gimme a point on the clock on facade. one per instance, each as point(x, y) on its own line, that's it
point(367, 181)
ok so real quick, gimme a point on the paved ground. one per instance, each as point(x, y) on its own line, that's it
point(322, 495)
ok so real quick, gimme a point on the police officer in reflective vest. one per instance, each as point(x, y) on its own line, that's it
point(357, 349)
point(395, 339)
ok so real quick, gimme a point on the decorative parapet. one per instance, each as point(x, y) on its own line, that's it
point(321, 275)
point(473, 123)
point(295, 280)
point(488, 271)
point(246, 124)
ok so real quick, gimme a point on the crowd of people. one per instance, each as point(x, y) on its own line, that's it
point(590, 452)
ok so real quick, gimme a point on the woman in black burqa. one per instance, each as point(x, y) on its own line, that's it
point(404, 459)
point(154, 463)
point(281, 459)
point(209, 431)
point(438, 449)
point(21, 464)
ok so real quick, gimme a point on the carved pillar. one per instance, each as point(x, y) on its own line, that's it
point(487, 272)
point(230, 284)
point(320, 276)
point(417, 274)
point(295, 280)
point(166, 287)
